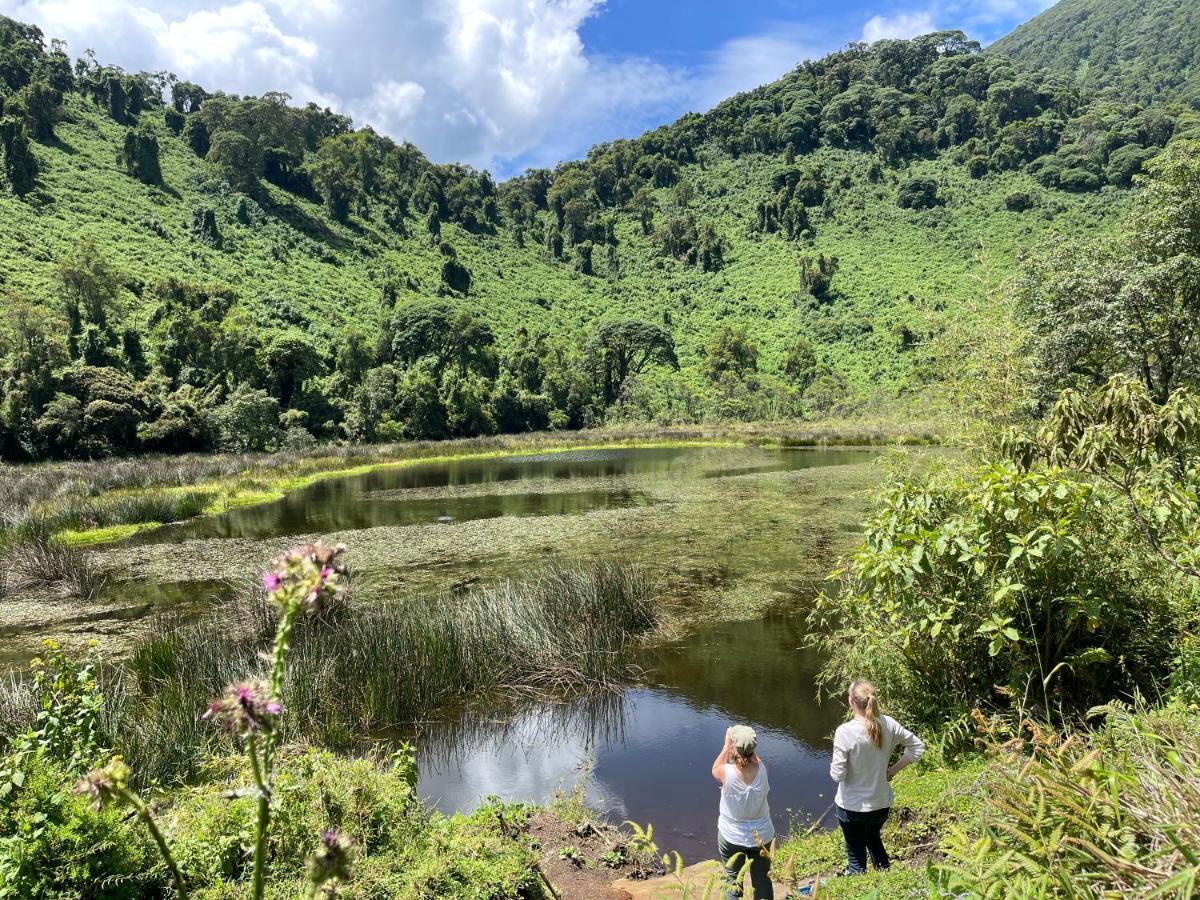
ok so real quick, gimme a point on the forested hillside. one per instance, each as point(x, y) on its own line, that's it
point(1145, 51)
point(185, 269)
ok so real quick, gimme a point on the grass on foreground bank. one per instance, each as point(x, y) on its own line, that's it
point(368, 664)
point(104, 500)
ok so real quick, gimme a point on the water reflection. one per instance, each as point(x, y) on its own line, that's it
point(652, 747)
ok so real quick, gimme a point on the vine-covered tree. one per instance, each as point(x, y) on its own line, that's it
point(625, 347)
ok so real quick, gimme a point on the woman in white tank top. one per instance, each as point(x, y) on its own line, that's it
point(744, 826)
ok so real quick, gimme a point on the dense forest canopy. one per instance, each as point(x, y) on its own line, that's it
point(1144, 51)
point(221, 319)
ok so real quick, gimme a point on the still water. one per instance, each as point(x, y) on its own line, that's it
point(650, 750)
point(736, 528)
point(471, 489)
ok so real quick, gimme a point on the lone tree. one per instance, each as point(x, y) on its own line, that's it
point(140, 155)
point(18, 167)
point(456, 278)
point(918, 193)
point(444, 332)
point(625, 347)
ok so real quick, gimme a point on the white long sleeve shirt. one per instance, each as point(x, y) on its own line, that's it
point(860, 768)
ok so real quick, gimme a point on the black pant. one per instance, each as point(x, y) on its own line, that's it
point(862, 833)
point(760, 871)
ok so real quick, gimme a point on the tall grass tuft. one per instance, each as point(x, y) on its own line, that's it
point(34, 559)
point(368, 666)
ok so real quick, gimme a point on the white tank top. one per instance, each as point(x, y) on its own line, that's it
point(744, 810)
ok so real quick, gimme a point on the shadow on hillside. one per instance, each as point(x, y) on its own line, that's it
point(54, 142)
point(297, 218)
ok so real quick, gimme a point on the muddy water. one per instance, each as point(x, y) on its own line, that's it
point(650, 750)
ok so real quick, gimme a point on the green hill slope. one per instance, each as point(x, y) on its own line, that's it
point(190, 269)
point(1146, 50)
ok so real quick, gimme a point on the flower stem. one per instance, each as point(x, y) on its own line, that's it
point(264, 818)
point(283, 634)
point(143, 812)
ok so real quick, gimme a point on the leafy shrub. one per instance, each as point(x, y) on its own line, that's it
point(989, 580)
point(1126, 162)
point(53, 844)
point(1019, 201)
point(918, 193)
point(1112, 813)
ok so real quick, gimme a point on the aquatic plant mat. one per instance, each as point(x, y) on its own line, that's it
point(730, 534)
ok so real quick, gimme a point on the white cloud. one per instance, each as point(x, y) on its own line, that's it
point(899, 26)
point(747, 62)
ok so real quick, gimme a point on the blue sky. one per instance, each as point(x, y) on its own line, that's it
point(499, 84)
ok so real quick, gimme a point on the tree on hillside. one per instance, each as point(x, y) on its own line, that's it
point(195, 134)
point(1130, 304)
point(187, 97)
point(644, 206)
point(456, 278)
point(731, 351)
point(816, 275)
point(624, 347)
point(19, 166)
point(235, 158)
point(289, 361)
point(445, 332)
point(40, 105)
point(344, 172)
point(139, 153)
point(800, 367)
point(31, 351)
point(90, 287)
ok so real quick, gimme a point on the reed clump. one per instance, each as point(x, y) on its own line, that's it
point(366, 666)
point(34, 559)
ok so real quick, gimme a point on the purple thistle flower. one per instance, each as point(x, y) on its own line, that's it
point(105, 784)
point(246, 708)
point(310, 578)
point(331, 861)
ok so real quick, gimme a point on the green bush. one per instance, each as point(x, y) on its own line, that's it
point(400, 849)
point(985, 587)
point(53, 844)
point(1110, 813)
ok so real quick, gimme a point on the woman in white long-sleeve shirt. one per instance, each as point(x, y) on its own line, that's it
point(863, 769)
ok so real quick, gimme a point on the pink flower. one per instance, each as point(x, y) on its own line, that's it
point(105, 784)
point(246, 708)
point(309, 578)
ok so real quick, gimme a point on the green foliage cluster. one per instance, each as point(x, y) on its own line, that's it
point(988, 580)
point(1109, 812)
point(1127, 303)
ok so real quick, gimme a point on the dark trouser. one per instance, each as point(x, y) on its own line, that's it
point(861, 830)
point(760, 871)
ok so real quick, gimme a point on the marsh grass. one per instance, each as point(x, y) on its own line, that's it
point(368, 668)
point(33, 558)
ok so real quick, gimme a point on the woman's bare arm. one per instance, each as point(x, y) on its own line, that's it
point(718, 767)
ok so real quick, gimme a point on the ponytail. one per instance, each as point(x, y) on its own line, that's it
point(862, 695)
